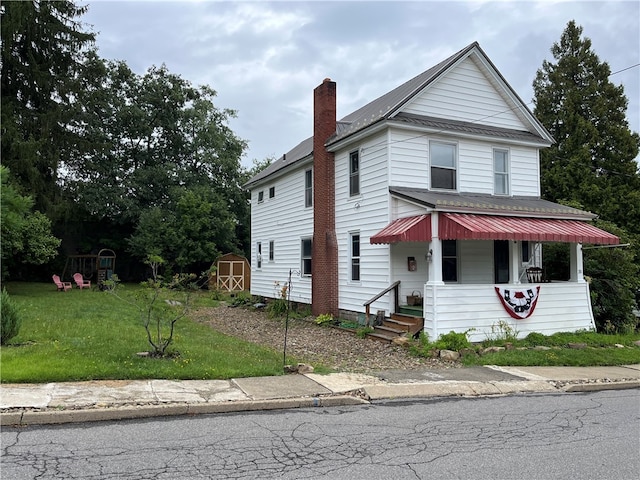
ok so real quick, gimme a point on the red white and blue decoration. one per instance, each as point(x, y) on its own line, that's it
point(519, 302)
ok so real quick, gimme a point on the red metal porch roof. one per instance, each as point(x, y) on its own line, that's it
point(454, 226)
point(408, 229)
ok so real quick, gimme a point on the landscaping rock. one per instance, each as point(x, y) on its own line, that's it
point(401, 341)
point(331, 347)
point(449, 355)
point(467, 351)
point(617, 345)
point(541, 348)
point(637, 343)
point(578, 346)
point(492, 349)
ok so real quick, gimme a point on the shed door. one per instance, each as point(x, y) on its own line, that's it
point(231, 275)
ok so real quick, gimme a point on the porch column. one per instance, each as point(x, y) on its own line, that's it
point(435, 251)
point(514, 263)
point(576, 267)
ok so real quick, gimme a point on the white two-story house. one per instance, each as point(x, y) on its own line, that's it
point(426, 199)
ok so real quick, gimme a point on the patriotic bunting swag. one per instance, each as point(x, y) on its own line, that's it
point(519, 303)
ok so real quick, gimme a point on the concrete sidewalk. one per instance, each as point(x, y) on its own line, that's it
point(29, 404)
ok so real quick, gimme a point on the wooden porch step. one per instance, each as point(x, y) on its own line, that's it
point(396, 326)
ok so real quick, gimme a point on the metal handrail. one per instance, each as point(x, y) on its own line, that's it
point(394, 286)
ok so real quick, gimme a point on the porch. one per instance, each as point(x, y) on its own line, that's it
point(468, 268)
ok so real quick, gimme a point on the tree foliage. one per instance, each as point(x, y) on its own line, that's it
point(26, 235)
point(592, 166)
point(41, 49)
point(158, 156)
point(593, 161)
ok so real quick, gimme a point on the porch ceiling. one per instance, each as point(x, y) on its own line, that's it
point(462, 226)
point(408, 229)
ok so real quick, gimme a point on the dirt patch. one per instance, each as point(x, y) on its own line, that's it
point(316, 345)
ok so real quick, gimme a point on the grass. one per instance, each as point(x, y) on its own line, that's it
point(599, 349)
point(91, 335)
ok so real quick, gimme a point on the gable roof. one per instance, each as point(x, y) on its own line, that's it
point(388, 107)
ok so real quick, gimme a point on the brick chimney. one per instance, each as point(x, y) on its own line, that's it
point(324, 280)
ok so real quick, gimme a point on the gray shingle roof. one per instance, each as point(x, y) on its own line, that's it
point(489, 204)
point(468, 127)
point(387, 105)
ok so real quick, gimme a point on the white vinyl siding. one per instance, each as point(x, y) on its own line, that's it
point(369, 212)
point(466, 94)
point(561, 307)
point(283, 220)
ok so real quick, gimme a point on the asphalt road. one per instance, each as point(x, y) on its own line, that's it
point(551, 436)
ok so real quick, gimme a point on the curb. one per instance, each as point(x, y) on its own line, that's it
point(55, 417)
point(600, 387)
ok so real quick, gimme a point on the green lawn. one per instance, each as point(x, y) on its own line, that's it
point(91, 335)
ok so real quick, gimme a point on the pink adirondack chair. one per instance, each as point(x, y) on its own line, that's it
point(62, 286)
point(80, 281)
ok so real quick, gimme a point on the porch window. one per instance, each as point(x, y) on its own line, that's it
point(355, 257)
point(260, 196)
point(259, 255)
point(501, 261)
point(308, 188)
point(354, 173)
point(500, 172)
point(305, 267)
point(449, 261)
point(443, 165)
point(272, 248)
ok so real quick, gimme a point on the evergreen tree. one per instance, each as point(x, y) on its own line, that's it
point(593, 162)
point(41, 51)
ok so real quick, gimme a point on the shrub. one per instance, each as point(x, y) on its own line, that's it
point(277, 308)
point(453, 341)
point(10, 318)
point(325, 319)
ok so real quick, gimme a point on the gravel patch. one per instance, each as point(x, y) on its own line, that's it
point(315, 345)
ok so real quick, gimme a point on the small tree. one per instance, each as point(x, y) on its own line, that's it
point(160, 304)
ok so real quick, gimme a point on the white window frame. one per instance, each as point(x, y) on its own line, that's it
point(454, 168)
point(272, 192)
point(258, 255)
point(261, 196)
point(308, 188)
point(354, 257)
point(504, 176)
point(354, 175)
point(304, 272)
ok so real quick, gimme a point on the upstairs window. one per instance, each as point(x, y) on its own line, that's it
point(272, 192)
point(501, 172)
point(355, 257)
point(308, 188)
point(260, 196)
point(354, 173)
point(305, 267)
point(443, 165)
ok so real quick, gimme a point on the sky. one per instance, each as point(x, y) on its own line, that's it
point(265, 58)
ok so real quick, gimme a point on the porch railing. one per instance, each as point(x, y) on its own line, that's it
point(395, 287)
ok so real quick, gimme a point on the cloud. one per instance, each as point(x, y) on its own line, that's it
point(265, 58)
